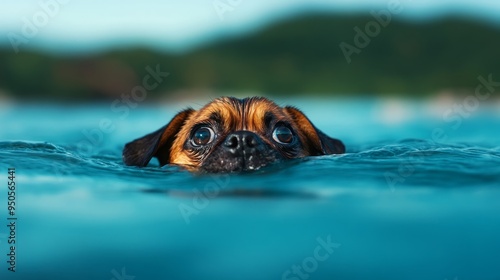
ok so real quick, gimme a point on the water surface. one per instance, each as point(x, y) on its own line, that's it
point(415, 197)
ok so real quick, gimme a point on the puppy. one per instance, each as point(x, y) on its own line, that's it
point(231, 135)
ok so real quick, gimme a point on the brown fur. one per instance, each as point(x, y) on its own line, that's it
point(235, 115)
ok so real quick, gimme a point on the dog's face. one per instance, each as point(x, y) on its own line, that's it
point(230, 134)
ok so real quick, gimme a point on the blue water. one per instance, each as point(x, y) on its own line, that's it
point(402, 203)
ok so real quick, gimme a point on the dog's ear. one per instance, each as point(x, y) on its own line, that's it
point(317, 142)
point(157, 144)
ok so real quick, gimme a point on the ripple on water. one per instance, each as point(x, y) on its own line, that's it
point(414, 163)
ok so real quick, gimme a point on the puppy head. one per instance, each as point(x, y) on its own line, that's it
point(230, 134)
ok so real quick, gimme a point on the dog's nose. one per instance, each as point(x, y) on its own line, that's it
point(242, 141)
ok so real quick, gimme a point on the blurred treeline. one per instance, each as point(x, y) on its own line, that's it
point(296, 56)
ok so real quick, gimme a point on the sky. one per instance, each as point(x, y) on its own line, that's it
point(92, 25)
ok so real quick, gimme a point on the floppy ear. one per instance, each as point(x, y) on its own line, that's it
point(157, 144)
point(318, 142)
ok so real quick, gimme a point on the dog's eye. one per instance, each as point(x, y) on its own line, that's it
point(203, 136)
point(283, 135)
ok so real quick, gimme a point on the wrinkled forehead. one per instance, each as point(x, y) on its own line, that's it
point(241, 114)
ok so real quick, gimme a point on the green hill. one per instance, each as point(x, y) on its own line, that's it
point(300, 55)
